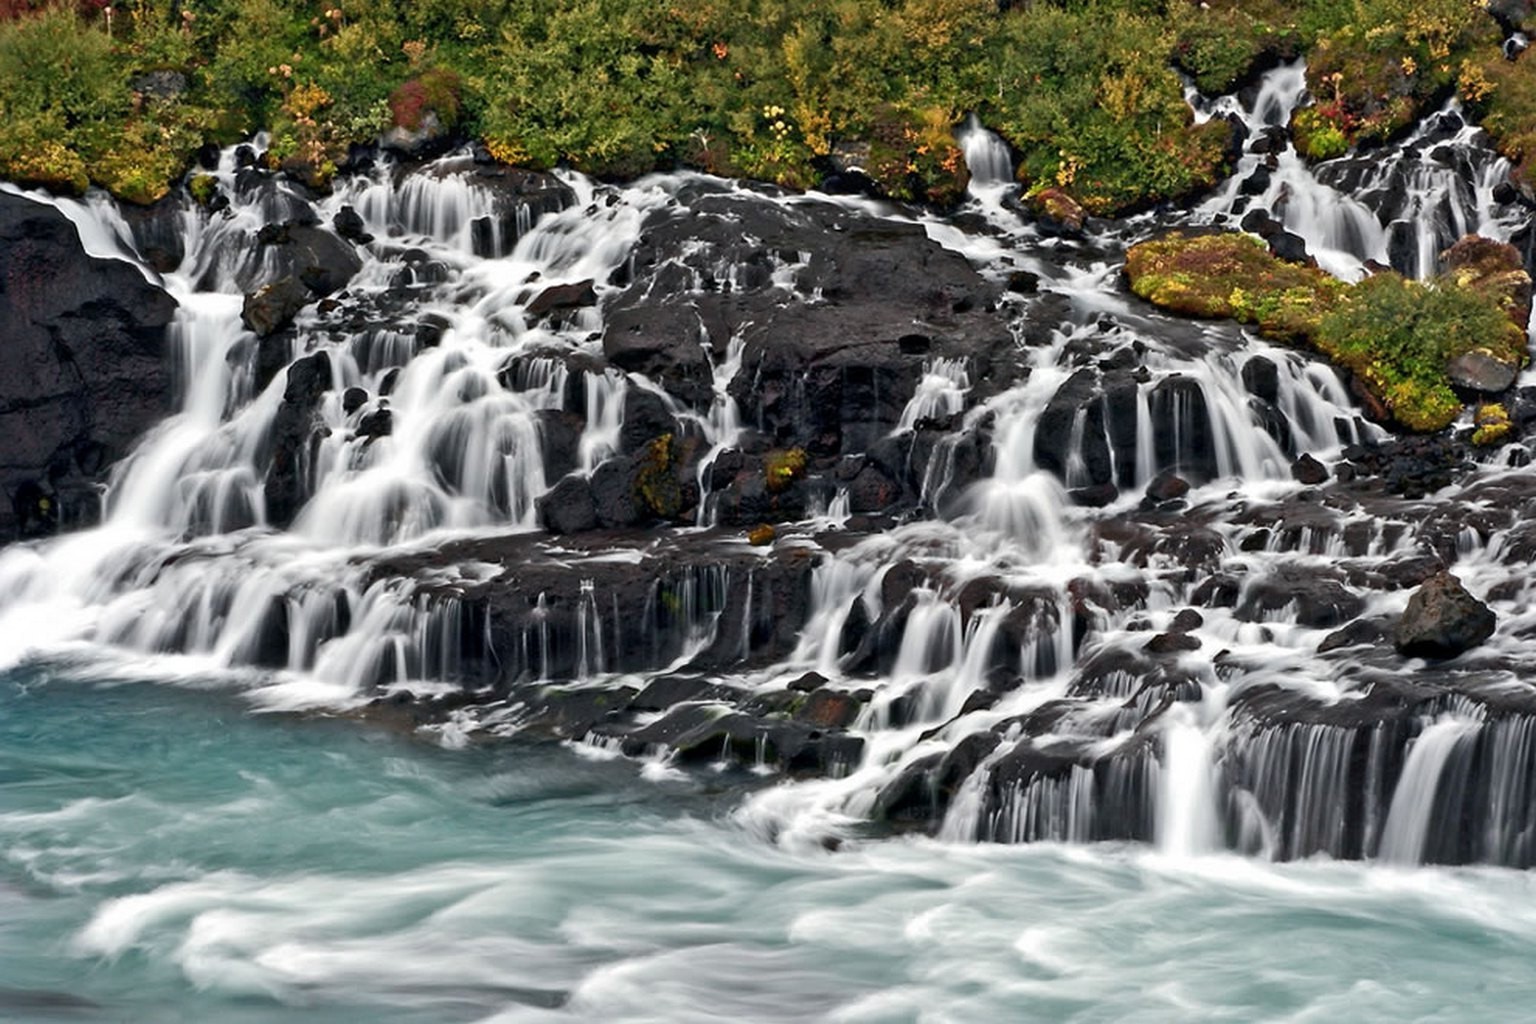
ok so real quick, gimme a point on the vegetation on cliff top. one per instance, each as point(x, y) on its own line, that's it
point(1088, 92)
point(1394, 335)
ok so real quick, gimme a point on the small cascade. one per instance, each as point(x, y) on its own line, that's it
point(1436, 771)
point(1186, 816)
point(1400, 207)
point(986, 156)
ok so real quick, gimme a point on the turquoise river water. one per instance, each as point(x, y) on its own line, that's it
point(168, 855)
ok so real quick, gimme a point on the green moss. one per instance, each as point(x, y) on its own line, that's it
point(1317, 137)
point(1396, 335)
point(656, 484)
point(1493, 426)
point(1220, 45)
point(783, 467)
point(1086, 92)
point(203, 187)
point(1503, 93)
point(1231, 275)
point(1379, 71)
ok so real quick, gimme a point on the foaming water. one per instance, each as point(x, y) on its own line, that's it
point(168, 857)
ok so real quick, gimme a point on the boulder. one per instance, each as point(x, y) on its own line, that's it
point(562, 297)
point(288, 478)
point(1442, 620)
point(1309, 471)
point(271, 308)
point(1481, 371)
point(568, 507)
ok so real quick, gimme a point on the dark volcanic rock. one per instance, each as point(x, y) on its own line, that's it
point(1309, 471)
point(84, 372)
point(1442, 620)
point(838, 315)
point(288, 480)
point(568, 507)
point(273, 307)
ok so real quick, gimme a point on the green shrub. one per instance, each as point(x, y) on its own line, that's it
point(1397, 335)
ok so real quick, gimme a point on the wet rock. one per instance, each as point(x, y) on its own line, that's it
point(1262, 379)
point(1167, 486)
point(1057, 213)
point(1171, 643)
point(808, 682)
point(1360, 631)
point(1442, 620)
point(569, 506)
point(1481, 371)
point(85, 368)
point(561, 297)
point(349, 225)
point(289, 481)
point(1188, 619)
point(1256, 184)
point(829, 709)
point(273, 307)
point(377, 424)
point(353, 399)
point(1097, 496)
point(614, 493)
point(1309, 471)
point(1319, 601)
point(1289, 246)
point(159, 233)
point(670, 690)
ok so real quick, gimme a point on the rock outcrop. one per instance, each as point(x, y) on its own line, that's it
point(86, 368)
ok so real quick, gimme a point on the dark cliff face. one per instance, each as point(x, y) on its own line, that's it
point(83, 368)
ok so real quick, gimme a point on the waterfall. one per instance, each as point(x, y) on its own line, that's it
point(972, 615)
point(1436, 762)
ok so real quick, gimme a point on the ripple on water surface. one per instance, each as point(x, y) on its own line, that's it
point(168, 856)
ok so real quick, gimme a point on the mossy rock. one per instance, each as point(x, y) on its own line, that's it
point(1493, 426)
point(783, 467)
point(1229, 275)
point(1394, 335)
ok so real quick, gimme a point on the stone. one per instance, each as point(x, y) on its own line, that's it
point(808, 682)
point(1309, 471)
point(1166, 487)
point(349, 225)
point(568, 507)
point(829, 709)
point(1171, 643)
point(561, 297)
point(1442, 620)
point(86, 371)
point(1481, 371)
point(1288, 246)
point(273, 307)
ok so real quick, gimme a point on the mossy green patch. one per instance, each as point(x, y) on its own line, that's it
point(1232, 275)
point(1385, 66)
point(656, 482)
point(783, 467)
point(1492, 425)
point(1393, 334)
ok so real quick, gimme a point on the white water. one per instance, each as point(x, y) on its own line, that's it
point(181, 578)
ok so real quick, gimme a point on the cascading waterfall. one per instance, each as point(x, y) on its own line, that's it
point(1023, 654)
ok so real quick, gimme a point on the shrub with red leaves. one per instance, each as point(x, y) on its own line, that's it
point(435, 90)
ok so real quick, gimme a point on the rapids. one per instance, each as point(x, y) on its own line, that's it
point(170, 858)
